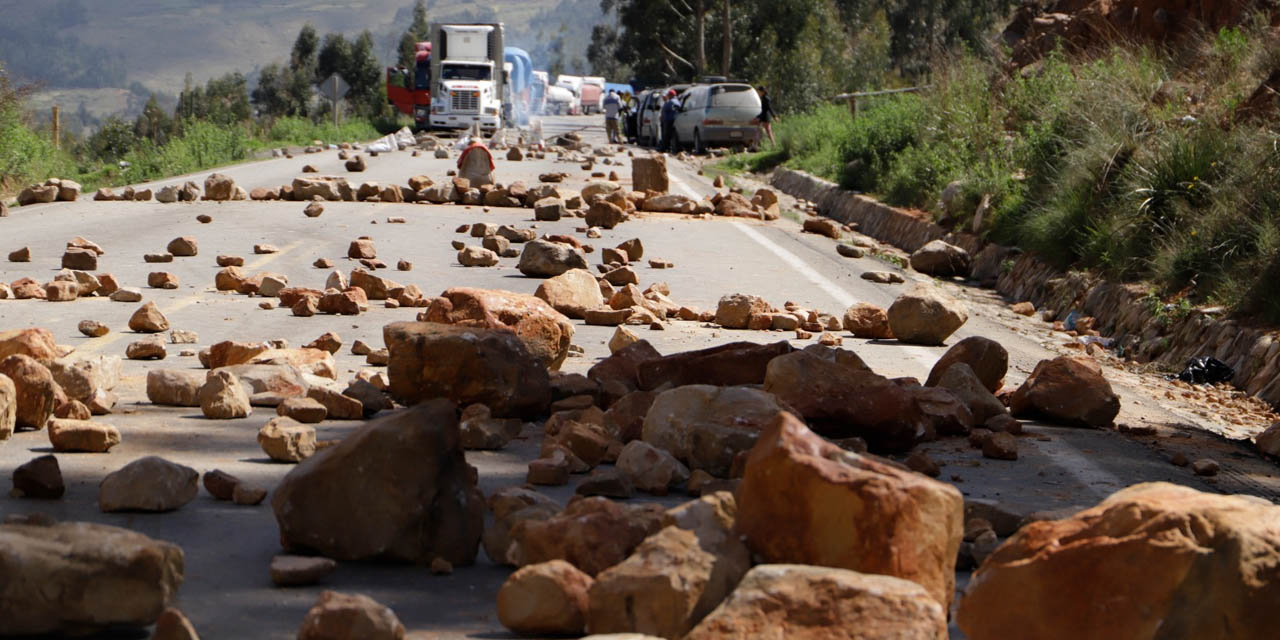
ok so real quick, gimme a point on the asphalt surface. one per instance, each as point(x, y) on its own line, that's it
point(227, 592)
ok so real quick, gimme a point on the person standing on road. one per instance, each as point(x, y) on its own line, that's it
point(670, 109)
point(612, 105)
point(765, 119)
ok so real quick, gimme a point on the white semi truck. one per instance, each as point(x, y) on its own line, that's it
point(467, 64)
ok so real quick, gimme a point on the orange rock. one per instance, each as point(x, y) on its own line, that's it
point(1151, 561)
point(1068, 389)
point(592, 534)
point(37, 343)
point(804, 500)
point(546, 331)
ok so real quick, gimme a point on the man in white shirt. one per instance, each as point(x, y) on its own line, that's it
point(612, 105)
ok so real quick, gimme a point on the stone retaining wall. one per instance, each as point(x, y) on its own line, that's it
point(1124, 312)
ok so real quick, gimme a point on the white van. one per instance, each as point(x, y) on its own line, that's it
point(718, 115)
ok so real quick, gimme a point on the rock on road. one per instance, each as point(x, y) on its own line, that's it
point(227, 591)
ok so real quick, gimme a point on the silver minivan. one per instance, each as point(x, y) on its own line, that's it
point(718, 115)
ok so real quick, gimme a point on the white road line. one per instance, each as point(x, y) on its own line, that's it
point(834, 290)
point(684, 186)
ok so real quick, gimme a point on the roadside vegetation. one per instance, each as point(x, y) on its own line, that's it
point(1142, 165)
point(220, 123)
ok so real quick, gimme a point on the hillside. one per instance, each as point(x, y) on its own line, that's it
point(113, 44)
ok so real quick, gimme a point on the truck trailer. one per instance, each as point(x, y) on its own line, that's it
point(467, 67)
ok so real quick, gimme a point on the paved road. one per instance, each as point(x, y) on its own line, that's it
point(227, 592)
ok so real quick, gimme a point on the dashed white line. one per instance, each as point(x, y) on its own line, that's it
point(684, 186)
point(795, 262)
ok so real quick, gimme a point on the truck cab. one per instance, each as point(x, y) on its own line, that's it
point(470, 79)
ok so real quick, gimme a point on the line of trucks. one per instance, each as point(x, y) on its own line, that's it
point(465, 75)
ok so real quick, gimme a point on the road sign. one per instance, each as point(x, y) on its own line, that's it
point(334, 87)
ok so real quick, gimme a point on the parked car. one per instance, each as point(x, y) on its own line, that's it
point(718, 115)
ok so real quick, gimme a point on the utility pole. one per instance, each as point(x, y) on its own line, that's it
point(700, 62)
point(57, 127)
point(728, 42)
point(335, 101)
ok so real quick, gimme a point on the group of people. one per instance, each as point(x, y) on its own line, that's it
point(615, 109)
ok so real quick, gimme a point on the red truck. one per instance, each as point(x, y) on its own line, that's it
point(409, 90)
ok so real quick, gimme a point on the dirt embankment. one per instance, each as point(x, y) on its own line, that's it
point(1039, 26)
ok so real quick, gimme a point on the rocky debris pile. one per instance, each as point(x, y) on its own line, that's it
point(53, 190)
point(49, 568)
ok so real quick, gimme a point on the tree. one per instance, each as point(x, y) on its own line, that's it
point(302, 65)
point(700, 38)
point(727, 59)
point(334, 57)
point(419, 31)
point(153, 123)
point(364, 75)
point(271, 96)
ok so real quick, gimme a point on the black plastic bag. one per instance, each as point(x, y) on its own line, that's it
point(1206, 370)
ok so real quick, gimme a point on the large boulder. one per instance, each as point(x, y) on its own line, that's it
point(940, 259)
point(736, 363)
point(35, 342)
point(398, 489)
point(964, 384)
point(219, 187)
point(466, 365)
point(35, 391)
point(649, 173)
point(148, 484)
point(651, 469)
point(670, 203)
point(87, 378)
point(175, 387)
point(618, 374)
point(1067, 389)
point(222, 397)
point(347, 616)
point(549, 598)
point(844, 399)
point(711, 518)
point(605, 215)
point(327, 187)
point(734, 310)
point(656, 590)
point(804, 500)
point(75, 578)
point(867, 321)
point(592, 534)
point(706, 426)
point(817, 603)
point(987, 358)
point(924, 315)
point(545, 259)
point(546, 332)
point(572, 293)
point(1151, 561)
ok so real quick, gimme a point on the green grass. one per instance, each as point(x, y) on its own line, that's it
point(1131, 164)
point(302, 131)
point(28, 156)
